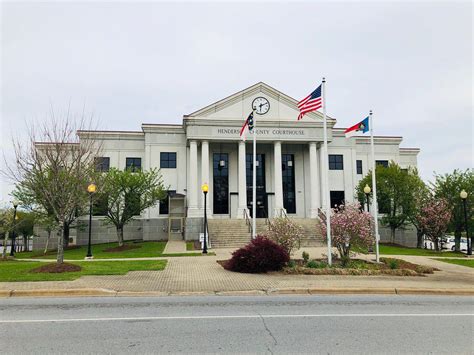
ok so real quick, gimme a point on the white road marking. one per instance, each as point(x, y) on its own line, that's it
point(236, 317)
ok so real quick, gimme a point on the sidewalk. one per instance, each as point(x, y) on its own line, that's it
point(205, 275)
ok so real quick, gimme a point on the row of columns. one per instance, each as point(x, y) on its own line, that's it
point(193, 188)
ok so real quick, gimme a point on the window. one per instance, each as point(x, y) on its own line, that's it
point(337, 198)
point(134, 164)
point(383, 163)
point(164, 204)
point(336, 162)
point(102, 164)
point(288, 175)
point(220, 167)
point(359, 166)
point(167, 160)
point(100, 206)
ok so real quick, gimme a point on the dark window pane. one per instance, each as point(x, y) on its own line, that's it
point(220, 167)
point(134, 164)
point(102, 164)
point(383, 163)
point(164, 204)
point(167, 160)
point(359, 166)
point(336, 162)
point(288, 176)
point(337, 198)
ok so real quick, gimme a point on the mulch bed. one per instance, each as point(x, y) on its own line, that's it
point(122, 248)
point(57, 268)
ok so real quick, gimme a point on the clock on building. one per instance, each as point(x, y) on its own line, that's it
point(261, 105)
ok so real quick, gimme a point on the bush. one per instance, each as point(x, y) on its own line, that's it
point(285, 233)
point(305, 256)
point(313, 264)
point(260, 255)
point(393, 264)
point(291, 264)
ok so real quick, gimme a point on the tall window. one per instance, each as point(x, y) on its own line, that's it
point(288, 175)
point(359, 166)
point(102, 164)
point(220, 167)
point(134, 164)
point(384, 163)
point(336, 162)
point(337, 198)
point(167, 160)
point(164, 204)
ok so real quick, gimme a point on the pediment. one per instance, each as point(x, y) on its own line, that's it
point(238, 106)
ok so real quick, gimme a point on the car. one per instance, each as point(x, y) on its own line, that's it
point(451, 244)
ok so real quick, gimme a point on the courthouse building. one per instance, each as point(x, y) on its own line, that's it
point(206, 148)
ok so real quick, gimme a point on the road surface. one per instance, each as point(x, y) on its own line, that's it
point(244, 324)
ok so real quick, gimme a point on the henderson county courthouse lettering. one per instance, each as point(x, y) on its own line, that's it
point(206, 148)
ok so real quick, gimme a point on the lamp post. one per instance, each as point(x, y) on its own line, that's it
point(91, 190)
point(205, 189)
point(463, 196)
point(367, 190)
point(12, 247)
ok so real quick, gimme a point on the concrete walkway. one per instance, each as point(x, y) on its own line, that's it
point(204, 274)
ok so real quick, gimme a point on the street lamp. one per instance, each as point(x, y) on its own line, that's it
point(12, 248)
point(205, 189)
point(367, 190)
point(91, 190)
point(463, 196)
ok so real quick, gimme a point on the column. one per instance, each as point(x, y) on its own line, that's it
point(242, 181)
point(324, 164)
point(205, 173)
point(314, 180)
point(278, 179)
point(193, 181)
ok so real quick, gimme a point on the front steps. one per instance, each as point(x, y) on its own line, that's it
point(234, 233)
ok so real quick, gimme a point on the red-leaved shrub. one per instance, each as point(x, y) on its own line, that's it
point(260, 255)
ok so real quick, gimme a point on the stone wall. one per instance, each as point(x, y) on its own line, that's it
point(193, 227)
point(405, 236)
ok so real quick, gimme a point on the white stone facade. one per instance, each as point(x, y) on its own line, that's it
point(291, 149)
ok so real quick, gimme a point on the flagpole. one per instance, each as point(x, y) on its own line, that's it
point(254, 177)
point(326, 174)
point(374, 188)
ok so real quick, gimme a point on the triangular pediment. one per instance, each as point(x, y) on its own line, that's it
point(239, 105)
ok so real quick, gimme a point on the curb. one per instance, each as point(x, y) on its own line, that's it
point(100, 292)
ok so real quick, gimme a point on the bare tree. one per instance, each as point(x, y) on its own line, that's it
point(54, 167)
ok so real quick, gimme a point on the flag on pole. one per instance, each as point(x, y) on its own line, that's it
point(362, 126)
point(310, 103)
point(247, 124)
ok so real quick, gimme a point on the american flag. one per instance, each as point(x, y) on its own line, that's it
point(248, 123)
point(310, 103)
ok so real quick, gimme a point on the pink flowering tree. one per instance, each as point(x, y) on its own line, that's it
point(350, 227)
point(434, 217)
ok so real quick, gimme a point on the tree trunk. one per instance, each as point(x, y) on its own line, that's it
point(25, 243)
point(436, 243)
point(47, 243)
point(457, 240)
point(419, 238)
point(66, 234)
point(60, 255)
point(392, 235)
point(120, 236)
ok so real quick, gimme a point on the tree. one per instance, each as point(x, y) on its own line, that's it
point(128, 194)
point(434, 217)
point(49, 224)
point(395, 198)
point(448, 187)
point(421, 193)
point(24, 226)
point(6, 227)
point(286, 233)
point(350, 227)
point(52, 171)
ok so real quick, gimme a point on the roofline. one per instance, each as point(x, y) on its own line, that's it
point(109, 132)
point(53, 143)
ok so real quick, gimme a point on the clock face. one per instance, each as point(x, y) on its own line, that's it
point(261, 105)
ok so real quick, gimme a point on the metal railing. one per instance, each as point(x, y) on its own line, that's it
point(248, 221)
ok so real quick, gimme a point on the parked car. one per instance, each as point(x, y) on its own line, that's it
point(450, 244)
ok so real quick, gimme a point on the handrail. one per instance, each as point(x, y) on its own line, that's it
point(267, 220)
point(247, 220)
point(284, 214)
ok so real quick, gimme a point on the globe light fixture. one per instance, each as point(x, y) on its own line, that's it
point(463, 194)
point(91, 188)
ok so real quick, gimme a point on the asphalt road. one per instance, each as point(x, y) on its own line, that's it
point(218, 324)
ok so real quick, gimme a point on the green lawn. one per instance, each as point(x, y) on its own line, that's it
point(397, 250)
point(189, 246)
point(20, 270)
point(463, 262)
point(147, 249)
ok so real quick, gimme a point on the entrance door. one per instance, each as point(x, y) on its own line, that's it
point(288, 175)
point(220, 163)
point(262, 205)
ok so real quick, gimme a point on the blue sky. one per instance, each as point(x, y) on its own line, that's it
point(129, 63)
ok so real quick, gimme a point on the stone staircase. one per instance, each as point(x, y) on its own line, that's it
point(234, 233)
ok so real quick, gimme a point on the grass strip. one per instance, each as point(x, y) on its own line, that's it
point(462, 262)
point(14, 271)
